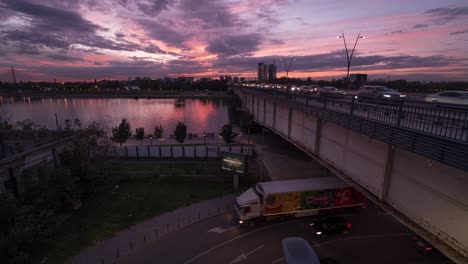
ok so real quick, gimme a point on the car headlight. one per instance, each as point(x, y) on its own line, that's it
point(318, 233)
point(402, 95)
point(241, 222)
point(355, 97)
point(387, 95)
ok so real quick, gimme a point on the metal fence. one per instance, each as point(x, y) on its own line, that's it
point(447, 121)
point(417, 128)
point(181, 151)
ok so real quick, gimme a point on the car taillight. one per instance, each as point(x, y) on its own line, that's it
point(428, 248)
point(348, 225)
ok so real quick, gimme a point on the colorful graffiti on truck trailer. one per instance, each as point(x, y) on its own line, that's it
point(300, 201)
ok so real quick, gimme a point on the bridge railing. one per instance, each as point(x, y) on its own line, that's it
point(447, 121)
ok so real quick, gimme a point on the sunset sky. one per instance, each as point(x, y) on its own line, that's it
point(65, 40)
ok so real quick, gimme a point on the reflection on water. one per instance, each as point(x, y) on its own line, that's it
point(199, 115)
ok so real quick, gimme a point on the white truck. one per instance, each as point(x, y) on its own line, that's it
point(295, 198)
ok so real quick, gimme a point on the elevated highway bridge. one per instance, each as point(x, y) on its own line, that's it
point(409, 158)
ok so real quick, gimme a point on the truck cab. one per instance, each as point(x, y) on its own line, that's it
point(248, 206)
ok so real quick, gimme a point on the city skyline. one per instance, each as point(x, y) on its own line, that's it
point(87, 39)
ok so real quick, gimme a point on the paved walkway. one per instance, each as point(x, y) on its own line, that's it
point(108, 251)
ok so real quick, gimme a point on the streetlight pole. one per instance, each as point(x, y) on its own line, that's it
point(287, 64)
point(349, 57)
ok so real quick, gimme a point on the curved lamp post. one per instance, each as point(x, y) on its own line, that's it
point(287, 64)
point(349, 57)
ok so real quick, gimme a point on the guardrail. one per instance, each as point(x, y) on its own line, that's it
point(439, 134)
point(443, 120)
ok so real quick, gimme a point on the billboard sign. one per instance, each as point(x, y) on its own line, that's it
point(233, 162)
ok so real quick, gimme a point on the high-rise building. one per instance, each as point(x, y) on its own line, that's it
point(262, 72)
point(272, 72)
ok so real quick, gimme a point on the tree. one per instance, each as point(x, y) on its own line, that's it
point(67, 126)
point(159, 132)
point(180, 132)
point(227, 134)
point(140, 134)
point(121, 132)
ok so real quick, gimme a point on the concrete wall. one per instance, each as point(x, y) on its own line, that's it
point(432, 194)
point(351, 152)
point(304, 130)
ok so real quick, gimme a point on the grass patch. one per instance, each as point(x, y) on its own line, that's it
point(120, 208)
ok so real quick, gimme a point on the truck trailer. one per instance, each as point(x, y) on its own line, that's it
point(295, 198)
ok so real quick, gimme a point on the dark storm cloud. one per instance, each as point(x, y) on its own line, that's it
point(420, 26)
point(444, 15)
point(398, 32)
point(336, 60)
point(28, 50)
point(276, 41)
point(35, 38)
point(235, 44)
point(459, 32)
point(164, 33)
point(154, 7)
point(61, 57)
point(52, 19)
point(211, 13)
point(58, 28)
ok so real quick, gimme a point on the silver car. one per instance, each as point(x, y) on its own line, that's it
point(449, 97)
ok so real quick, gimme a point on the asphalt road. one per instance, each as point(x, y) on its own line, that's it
point(376, 237)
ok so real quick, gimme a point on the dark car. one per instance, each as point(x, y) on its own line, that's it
point(423, 246)
point(370, 93)
point(330, 225)
point(331, 92)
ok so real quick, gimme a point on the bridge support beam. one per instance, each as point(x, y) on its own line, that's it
point(387, 172)
point(318, 136)
point(264, 110)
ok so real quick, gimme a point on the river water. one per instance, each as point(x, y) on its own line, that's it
point(198, 114)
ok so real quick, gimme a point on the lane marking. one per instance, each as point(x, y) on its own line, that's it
point(243, 256)
point(221, 230)
point(278, 260)
point(236, 238)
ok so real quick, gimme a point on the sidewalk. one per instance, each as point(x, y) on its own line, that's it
point(124, 242)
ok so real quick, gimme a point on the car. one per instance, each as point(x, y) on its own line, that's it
point(297, 251)
point(330, 225)
point(449, 97)
point(330, 91)
point(376, 93)
point(423, 246)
